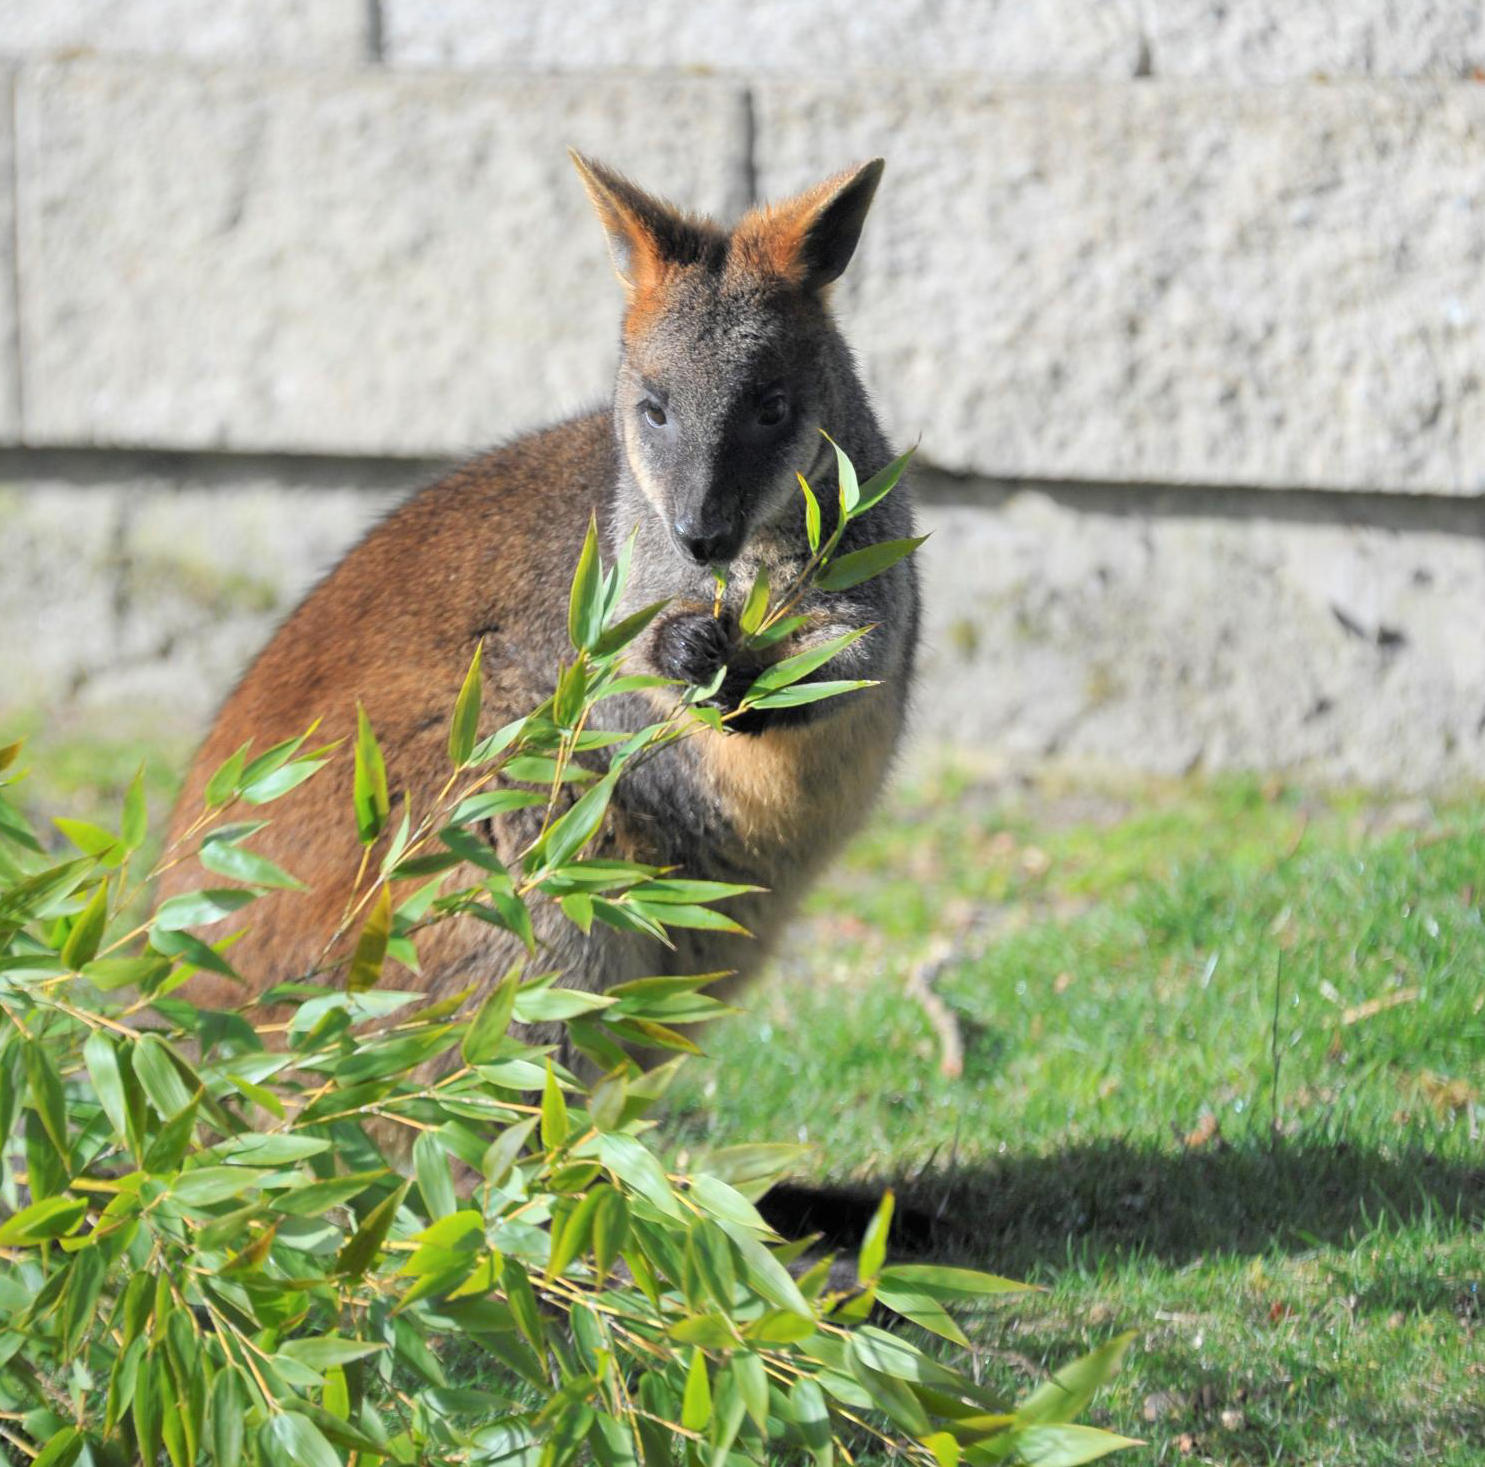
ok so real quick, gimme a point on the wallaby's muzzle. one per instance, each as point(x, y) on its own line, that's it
point(706, 541)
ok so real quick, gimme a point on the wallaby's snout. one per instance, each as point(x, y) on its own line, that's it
point(707, 538)
point(729, 352)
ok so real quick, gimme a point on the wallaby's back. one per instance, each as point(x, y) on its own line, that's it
point(484, 555)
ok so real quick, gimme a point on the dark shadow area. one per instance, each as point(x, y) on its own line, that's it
point(1103, 1202)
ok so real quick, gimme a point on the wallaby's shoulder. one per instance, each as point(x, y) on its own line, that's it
point(527, 500)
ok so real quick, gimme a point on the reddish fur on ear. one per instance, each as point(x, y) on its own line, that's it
point(808, 240)
point(646, 236)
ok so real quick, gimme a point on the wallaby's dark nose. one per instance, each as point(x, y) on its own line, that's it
point(705, 541)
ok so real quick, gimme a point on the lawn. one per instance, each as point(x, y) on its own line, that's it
point(1223, 1049)
point(1221, 1054)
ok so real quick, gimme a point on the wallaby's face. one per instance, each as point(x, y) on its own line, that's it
point(725, 377)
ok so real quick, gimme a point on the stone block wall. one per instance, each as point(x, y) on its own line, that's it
point(1185, 300)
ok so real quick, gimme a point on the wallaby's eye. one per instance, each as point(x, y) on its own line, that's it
point(773, 410)
point(654, 414)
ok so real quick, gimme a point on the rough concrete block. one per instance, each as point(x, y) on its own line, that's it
point(364, 263)
point(1278, 40)
point(144, 595)
point(57, 590)
point(10, 359)
point(1182, 632)
point(1000, 37)
point(295, 32)
point(1278, 287)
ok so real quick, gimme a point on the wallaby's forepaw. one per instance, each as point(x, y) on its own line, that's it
point(691, 646)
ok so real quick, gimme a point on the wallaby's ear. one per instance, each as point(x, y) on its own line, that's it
point(644, 233)
point(810, 239)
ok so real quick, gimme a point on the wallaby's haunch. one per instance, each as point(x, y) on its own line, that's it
point(731, 365)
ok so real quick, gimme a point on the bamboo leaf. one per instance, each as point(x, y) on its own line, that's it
point(371, 947)
point(874, 1244)
point(811, 514)
point(585, 603)
point(861, 565)
point(87, 929)
point(464, 727)
point(754, 608)
point(369, 791)
point(883, 482)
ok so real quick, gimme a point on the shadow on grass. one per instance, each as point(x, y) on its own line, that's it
point(1103, 1202)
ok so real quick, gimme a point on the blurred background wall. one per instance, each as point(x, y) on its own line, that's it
point(1185, 299)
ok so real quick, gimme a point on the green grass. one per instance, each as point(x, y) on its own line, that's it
point(1223, 1055)
point(1177, 1113)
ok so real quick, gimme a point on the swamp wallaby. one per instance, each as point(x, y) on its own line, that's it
point(730, 367)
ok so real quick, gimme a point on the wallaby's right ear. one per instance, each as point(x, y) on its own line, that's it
point(644, 233)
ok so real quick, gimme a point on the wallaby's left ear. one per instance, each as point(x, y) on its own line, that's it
point(810, 239)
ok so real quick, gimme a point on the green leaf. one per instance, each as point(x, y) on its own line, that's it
point(488, 1027)
point(554, 1122)
point(883, 482)
point(696, 1405)
point(136, 817)
point(812, 1417)
point(371, 947)
point(522, 1300)
point(289, 1437)
point(924, 1310)
point(161, 1077)
point(610, 1228)
point(862, 565)
point(572, 830)
point(622, 633)
point(223, 783)
point(102, 1063)
point(628, 1160)
point(811, 514)
point(503, 1152)
point(792, 669)
point(850, 489)
point(106, 974)
point(435, 1181)
point(62, 1449)
point(1071, 1388)
point(320, 1352)
point(190, 947)
point(87, 929)
point(227, 858)
point(874, 1244)
point(495, 802)
point(369, 791)
point(1067, 1446)
point(169, 1144)
point(766, 1274)
point(93, 839)
point(752, 1385)
point(574, 1235)
point(278, 782)
point(362, 1247)
point(585, 604)
point(809, 693)
point(45, 1085)
point(756, 606)
point(200, 908)
point(946, 1283)
point(228, 1407)
point(52, 1217)
point(944, 1447)
point(464, 728)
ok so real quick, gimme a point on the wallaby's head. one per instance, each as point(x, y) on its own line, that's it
point(730, 363)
